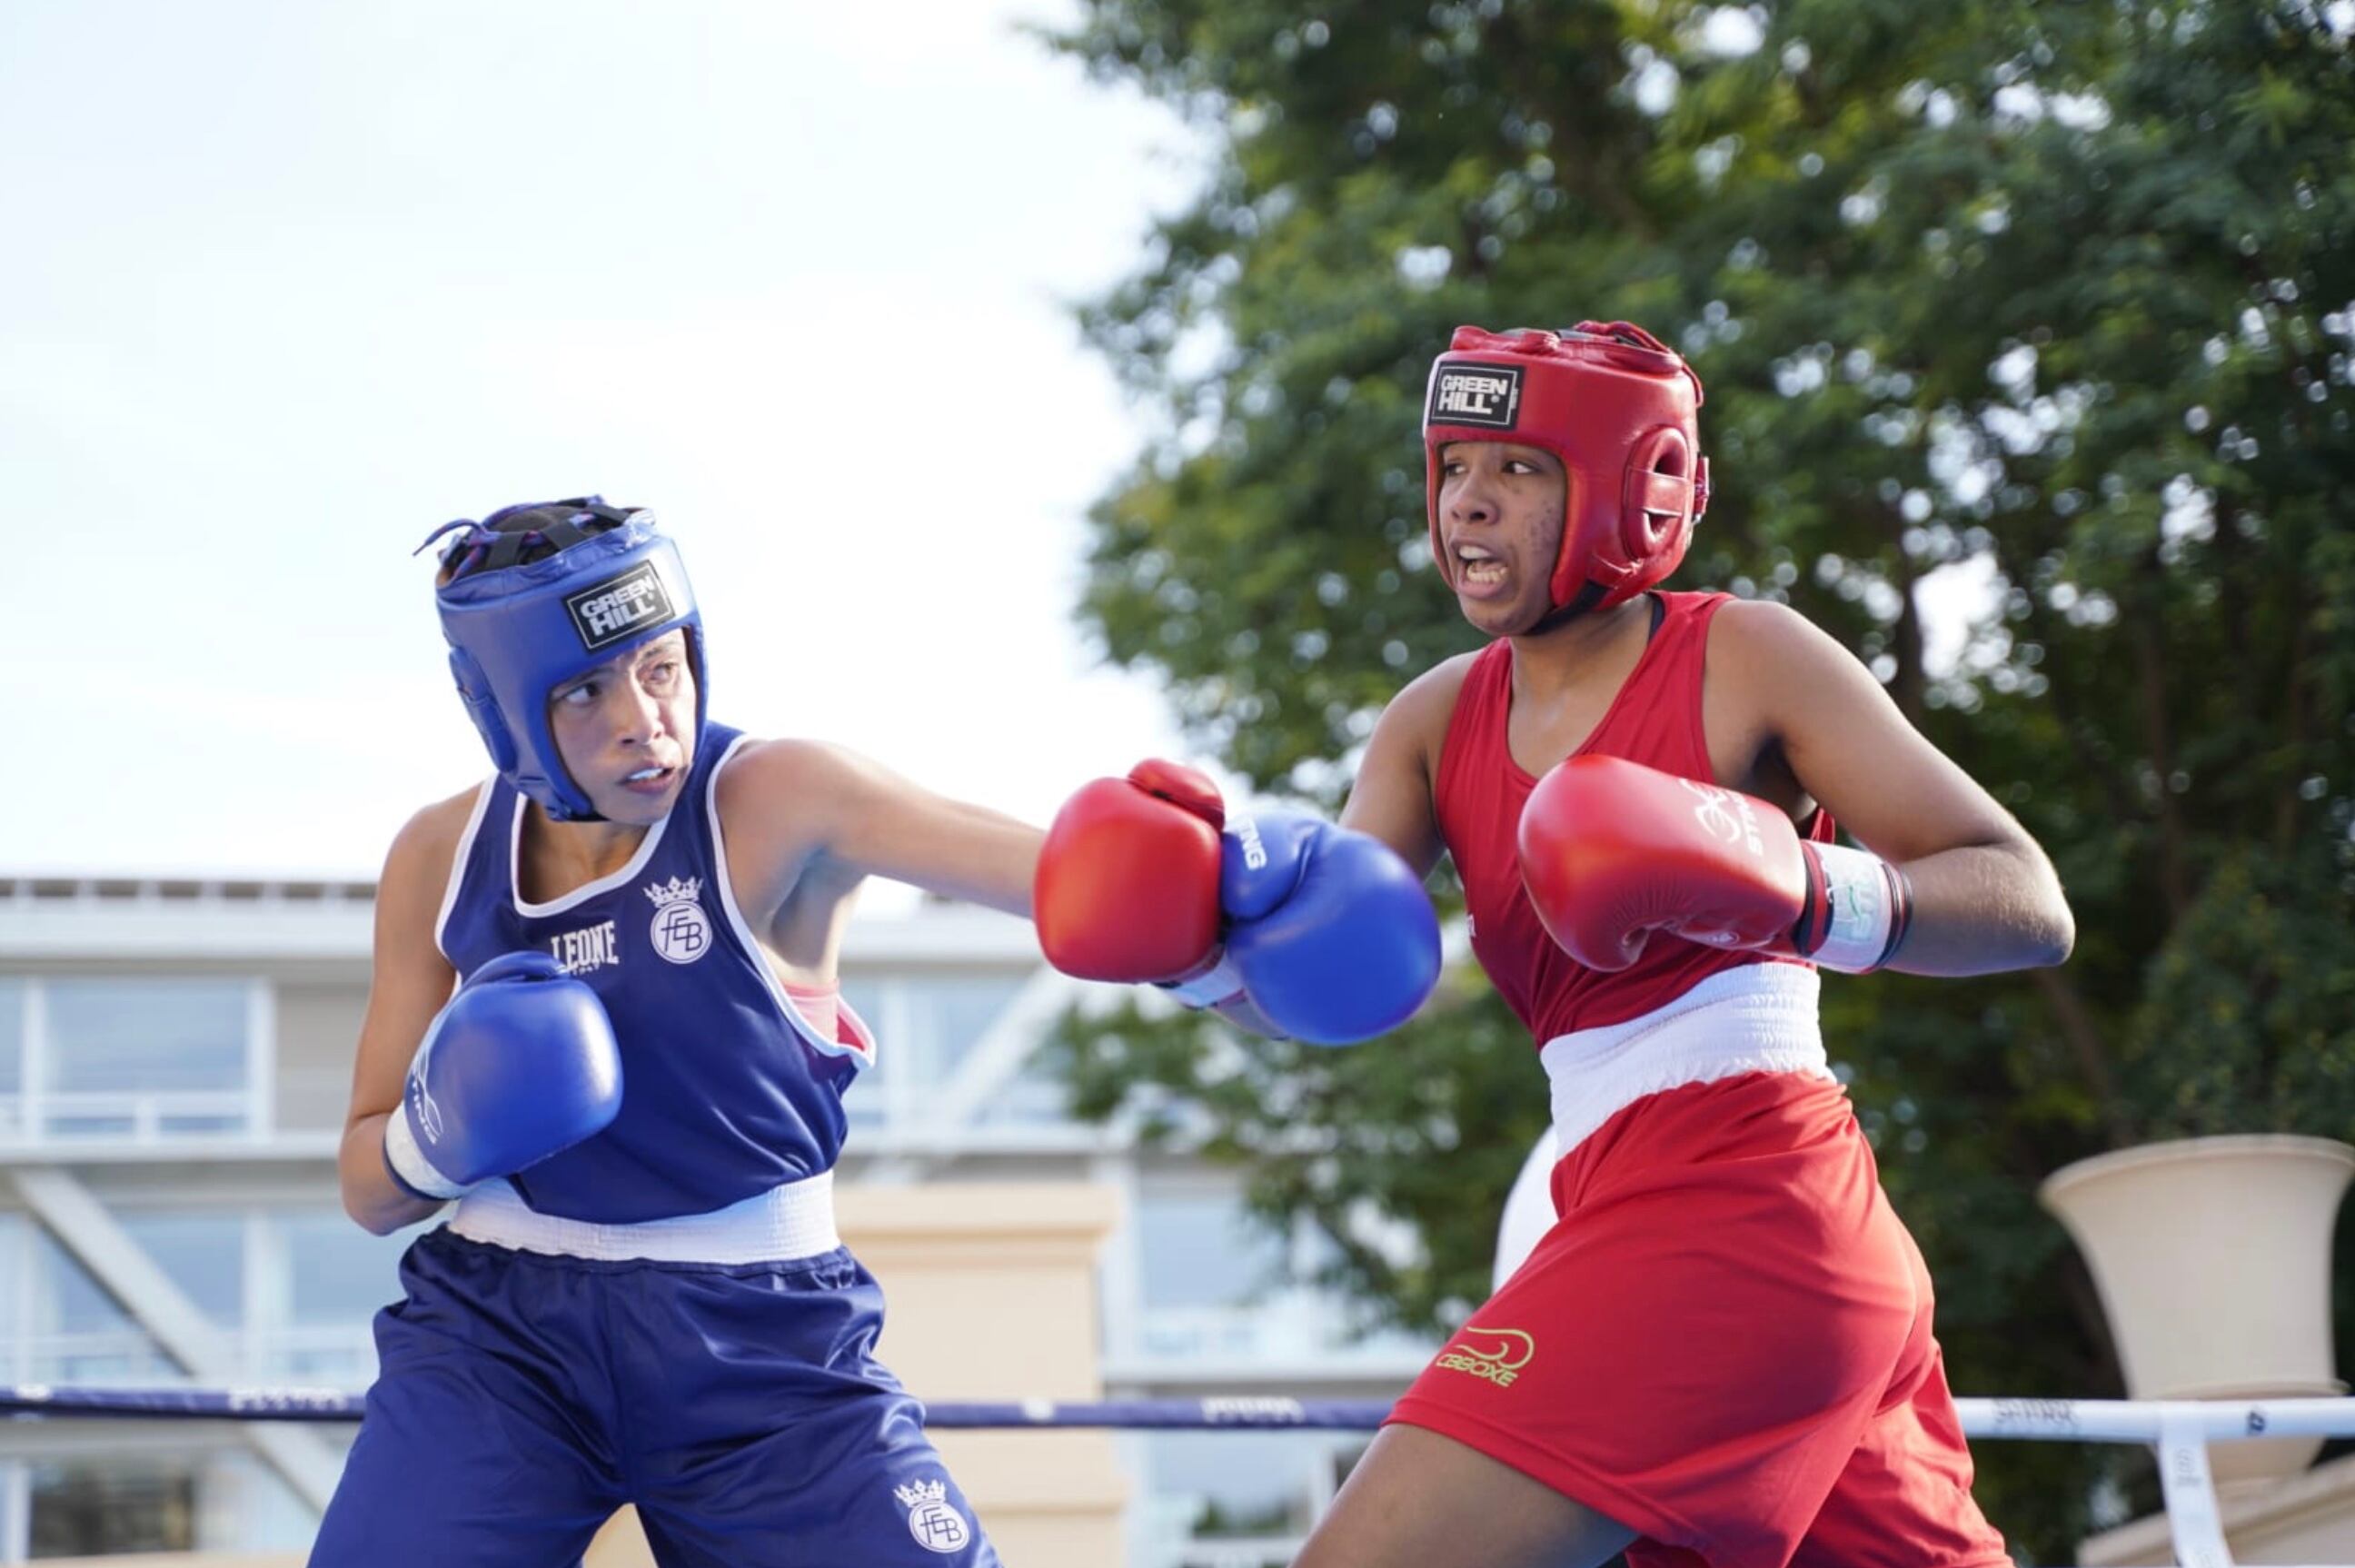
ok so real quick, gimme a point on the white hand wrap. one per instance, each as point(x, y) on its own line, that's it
point(1209, 988)
point(1868, 904)
point(409, 1164)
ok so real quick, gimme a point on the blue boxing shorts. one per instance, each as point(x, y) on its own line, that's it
point(522, 1397)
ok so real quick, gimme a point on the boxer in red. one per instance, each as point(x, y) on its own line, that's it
point(1722, 1350)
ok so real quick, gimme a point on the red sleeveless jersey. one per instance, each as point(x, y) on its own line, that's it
point(1655, 720)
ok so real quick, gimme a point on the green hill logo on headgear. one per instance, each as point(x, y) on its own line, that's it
point(612, 610)
point(1486, 395)
point(536, 596)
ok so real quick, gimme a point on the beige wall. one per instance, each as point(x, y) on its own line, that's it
point(318, 1029)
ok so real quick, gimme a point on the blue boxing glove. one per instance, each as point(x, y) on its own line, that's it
point(1329, 936)
point(519, 1065)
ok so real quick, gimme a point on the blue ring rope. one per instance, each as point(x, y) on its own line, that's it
point(2067, 1420)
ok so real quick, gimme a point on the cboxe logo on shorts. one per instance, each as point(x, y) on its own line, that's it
point(681, 932)
point(607, 611)
point(1488, 395)
point(937, 1526)
point(1492, 1355)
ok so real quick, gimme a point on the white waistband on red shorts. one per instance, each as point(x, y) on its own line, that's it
point(1757, 1018)
point(795, 1221)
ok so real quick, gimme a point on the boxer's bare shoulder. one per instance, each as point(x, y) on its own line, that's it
point(1812, 714)
point(780, 804)
point(1759, 654)
point(1428, 701)
point(1398, 778)
point(418, 867)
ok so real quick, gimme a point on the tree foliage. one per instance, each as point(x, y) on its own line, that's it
point(2027, 332)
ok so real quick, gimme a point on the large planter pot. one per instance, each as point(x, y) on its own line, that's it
point(2213, 1256)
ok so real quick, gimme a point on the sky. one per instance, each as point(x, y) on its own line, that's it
point(289, 285)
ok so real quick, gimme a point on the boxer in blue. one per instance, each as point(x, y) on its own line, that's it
point(604, 1020)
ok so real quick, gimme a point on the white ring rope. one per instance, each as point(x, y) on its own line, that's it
point(2147, 1420)
point(2181, 1430)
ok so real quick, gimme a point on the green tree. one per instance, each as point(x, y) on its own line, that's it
point(2042, 313)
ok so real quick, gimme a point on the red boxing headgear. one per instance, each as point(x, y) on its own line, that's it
point(1618, 407)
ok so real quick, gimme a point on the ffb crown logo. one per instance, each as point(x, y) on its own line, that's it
point(681, 931)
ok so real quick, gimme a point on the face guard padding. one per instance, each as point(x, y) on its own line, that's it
point(1619, 407)
point(520, 623)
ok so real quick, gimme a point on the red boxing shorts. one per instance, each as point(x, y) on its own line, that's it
point(1724, 1343)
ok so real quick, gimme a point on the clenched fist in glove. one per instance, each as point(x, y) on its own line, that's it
point(1326, 933)
point(1613, 851)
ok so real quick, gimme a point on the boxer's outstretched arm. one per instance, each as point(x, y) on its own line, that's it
point(1985, 896)
point(410, 982)
point(785, 803)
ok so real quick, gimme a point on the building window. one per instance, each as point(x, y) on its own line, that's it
point(338, 1275)
point(134, 1057)
point(946, 1016)
point(1035, 1096)
point(1200, 1249)
point(863, 1104)
point(74, 1332)
point(16, 1289)
point(926, 1026)
point(12, 1058)
point(1227, 1500)
point(105, 1506)
point(336, 1278)
point(151, 1036)
point(201, 1252)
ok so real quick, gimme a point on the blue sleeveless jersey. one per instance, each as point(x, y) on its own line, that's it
point(726, 1091)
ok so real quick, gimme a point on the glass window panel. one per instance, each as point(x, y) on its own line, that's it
point(148, 1036)
point(946, 1013)
point(248, 1506)
point(1237, 1483)
point(63, 1127)
point(203, 1253)
point(12, 1036)
point(1034, 1095)
point(865, 1097)
point(181, 1126)
point(1201, 1250)
point(67, 1300)
point(115, 1358)
point(16, 1269)
point(102, 1508)
point(337, 1274)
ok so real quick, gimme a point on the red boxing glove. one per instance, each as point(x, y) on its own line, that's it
point(1127, 886)
point(1613, 851)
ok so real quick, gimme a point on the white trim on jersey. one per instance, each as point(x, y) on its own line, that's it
point(628, 873)
point(458, 865)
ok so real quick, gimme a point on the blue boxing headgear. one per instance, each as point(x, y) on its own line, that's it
point(537, 596)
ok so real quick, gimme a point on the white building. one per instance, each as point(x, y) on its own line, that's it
point(174, 1059)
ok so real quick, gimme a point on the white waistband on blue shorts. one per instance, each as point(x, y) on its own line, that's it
point(795, 1221)
point(1758, 1017)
